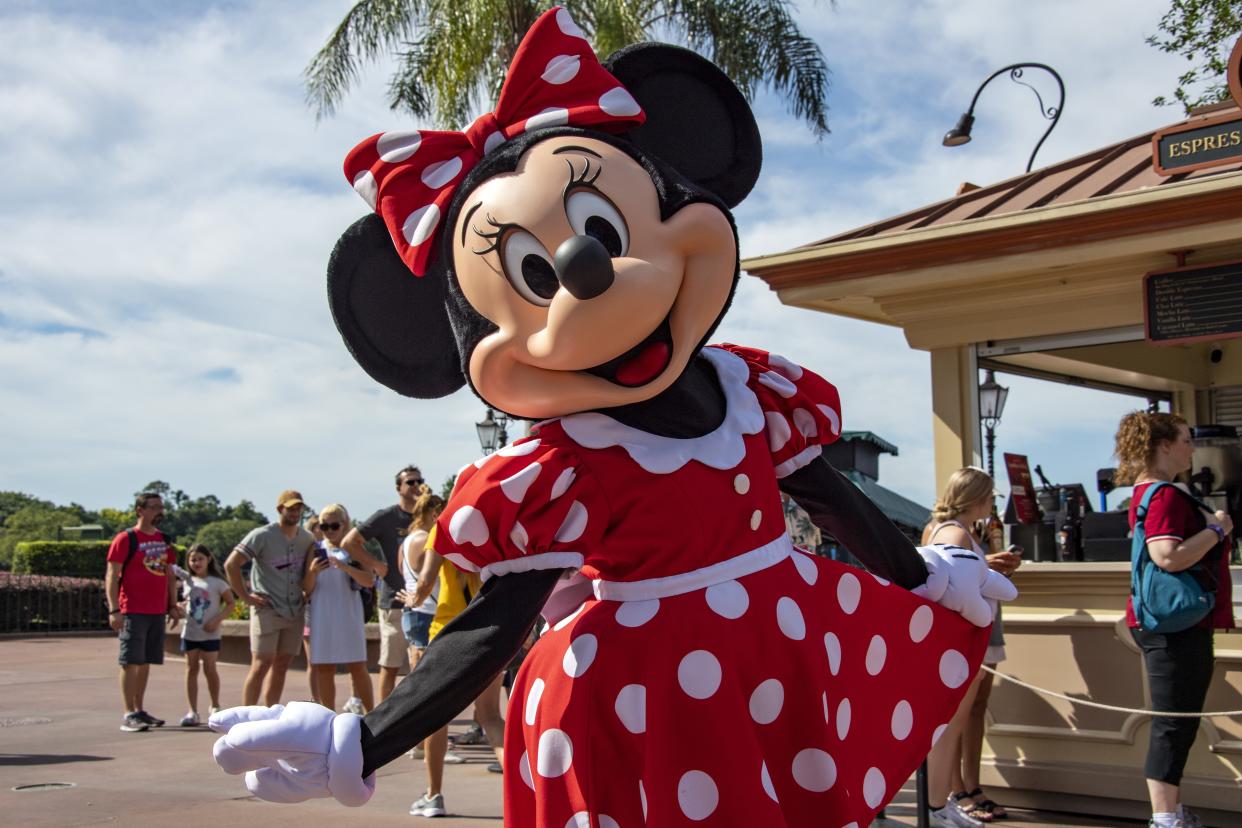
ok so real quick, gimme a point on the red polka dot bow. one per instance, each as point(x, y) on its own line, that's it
point(409, 177)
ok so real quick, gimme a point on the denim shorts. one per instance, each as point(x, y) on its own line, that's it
point(416, 626)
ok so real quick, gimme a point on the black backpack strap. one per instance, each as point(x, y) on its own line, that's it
point(129, 556)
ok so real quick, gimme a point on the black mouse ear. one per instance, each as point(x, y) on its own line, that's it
point(394, 323)
point(697, 120)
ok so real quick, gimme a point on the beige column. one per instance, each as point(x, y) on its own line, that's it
point(955, 411)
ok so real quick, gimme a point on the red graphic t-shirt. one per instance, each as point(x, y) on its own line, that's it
point(144, 583)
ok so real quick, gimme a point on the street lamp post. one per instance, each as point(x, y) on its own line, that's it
point(960, 134)
point(492, 431)
point(991, 405)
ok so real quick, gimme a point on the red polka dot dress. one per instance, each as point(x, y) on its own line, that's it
point(716, 676)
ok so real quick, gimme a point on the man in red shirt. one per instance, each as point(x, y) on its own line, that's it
point(141, 592)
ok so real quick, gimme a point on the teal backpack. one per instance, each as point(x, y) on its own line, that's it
point(1164, 602)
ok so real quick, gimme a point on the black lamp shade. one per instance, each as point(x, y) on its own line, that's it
point(960, 134)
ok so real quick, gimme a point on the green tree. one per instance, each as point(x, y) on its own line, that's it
point(451, 54)
point(29, 523)
point(446, 488)
point(10, 502)
point(222, 535)
point(1204, 32)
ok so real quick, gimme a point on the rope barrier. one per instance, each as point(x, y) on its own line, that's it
point(1046, 692)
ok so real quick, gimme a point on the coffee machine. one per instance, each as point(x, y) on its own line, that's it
point(1216, 468)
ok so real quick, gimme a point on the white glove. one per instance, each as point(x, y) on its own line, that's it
point(960, 580)
point(294, 753)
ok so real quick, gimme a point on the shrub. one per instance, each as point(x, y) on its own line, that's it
point(39, 603)
point(79, 559)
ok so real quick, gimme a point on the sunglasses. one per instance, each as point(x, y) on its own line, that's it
point(330, 527)
point(412, 481)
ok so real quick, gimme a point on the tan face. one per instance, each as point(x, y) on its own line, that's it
point(1181, 451)
point(621, 340)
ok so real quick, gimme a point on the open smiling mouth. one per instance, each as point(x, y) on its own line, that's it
point(642, 363)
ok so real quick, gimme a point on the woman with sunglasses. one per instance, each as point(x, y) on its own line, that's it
point(337, 630)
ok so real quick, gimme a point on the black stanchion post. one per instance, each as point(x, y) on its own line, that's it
point(920, 796)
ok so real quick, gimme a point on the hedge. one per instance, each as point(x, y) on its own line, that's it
point(78, 559)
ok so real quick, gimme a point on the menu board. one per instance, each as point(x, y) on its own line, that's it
point(1021, 489)
point(1193, 303)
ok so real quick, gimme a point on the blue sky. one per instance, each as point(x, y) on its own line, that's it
point(169, 204)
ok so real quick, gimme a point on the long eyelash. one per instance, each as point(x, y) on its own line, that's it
point(585, 179)
point(495, 236)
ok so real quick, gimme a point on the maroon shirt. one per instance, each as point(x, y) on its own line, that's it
point(1172, 515)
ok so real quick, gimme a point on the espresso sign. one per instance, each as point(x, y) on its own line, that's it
point(1193, 303)
point(1207, 143)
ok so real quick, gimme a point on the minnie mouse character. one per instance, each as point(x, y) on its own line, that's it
point(571, 254)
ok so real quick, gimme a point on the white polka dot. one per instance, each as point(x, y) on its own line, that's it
point(637, 613)
point(574, 524)
point(784, 367)
point(874, 788)
point(834, 419)
point(580, 655)
point(398, 145)
point(937, 733)
point(564, 622)
point(789, 619)
point(642, 797)
point(903, 720)
point(567, 25)
point(920, 623)
point(741, 484)
point(804, 421)
point(532, 700)
point(366, 186)
point(765, 779)
point(697, 795)
point(849, 591)
point(519, 449)
point(524, 771)
point(851, 825)
point(561, 69)
point(833, 645)
point(877, 653)
point(954, 670)
point(879, 580)
point(556, 753)
point(845, 715)
point(699, 674)
point(728, 599)
point(619, 103)
point(461, 562)
point(778, 430)
point(806, 568)
point(606, 821)
point(552, 116)
point(756, 517)
point(824, 697)
point(440, 173)
point(494, 140)
point(766, 702)
point(631, 707)
point(519, 537)
point(814, 770)
point(468, 526)
point(420, 224)
point(515, 486)
point(778, 384)
point(563, 481)
point(582, 819)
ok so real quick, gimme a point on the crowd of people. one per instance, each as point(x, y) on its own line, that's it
point(312, 577)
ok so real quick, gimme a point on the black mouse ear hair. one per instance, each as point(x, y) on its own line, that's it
point(697, 120)
point(394, 323)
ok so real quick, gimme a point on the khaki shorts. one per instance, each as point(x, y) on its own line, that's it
point(393, 646)
point(272, 633)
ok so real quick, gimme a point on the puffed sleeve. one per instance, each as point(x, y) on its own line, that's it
point(802, 409)
point(529, 506)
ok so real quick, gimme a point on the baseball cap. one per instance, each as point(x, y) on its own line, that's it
point(289, 497)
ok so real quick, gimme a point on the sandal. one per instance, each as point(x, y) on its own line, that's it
point(967, 805)
point(986, 805)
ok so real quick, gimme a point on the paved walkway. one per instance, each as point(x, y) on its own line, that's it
point(59, 724)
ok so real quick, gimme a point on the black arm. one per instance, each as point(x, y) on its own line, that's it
point(458, 665)
point(840, 508)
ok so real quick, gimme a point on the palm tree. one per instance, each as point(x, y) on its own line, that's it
point(452, 54)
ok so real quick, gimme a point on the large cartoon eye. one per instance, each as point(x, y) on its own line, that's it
point(590, 214)
point(528, 267)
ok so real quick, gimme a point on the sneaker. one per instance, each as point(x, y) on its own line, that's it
point(1177, 823)
point(417, 753)
point(428, 806)
point(149, 719)
point(495, 767)
point(189, 720)
point(951, 816)
point(214, 710)
point(473, 736)
point(354, 705)
point(131, 723)
point(451, 758)
point(1189, 818)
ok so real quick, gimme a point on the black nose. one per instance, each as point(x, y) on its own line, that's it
point(584, 267)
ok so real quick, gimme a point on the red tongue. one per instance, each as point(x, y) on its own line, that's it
point(646, 366)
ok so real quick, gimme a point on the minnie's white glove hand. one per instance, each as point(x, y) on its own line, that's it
point(959, 579)
point(294, 753)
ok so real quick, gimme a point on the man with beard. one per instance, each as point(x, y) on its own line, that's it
point(277, 556)
point(141, 593)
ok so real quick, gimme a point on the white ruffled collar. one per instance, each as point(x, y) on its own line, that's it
point(722, 449)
